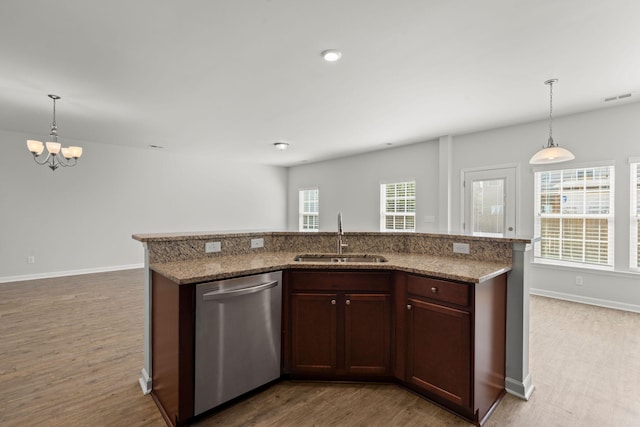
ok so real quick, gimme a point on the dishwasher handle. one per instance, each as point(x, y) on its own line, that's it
point(218, 295)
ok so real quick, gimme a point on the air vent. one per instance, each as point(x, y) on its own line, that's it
point(619, 97)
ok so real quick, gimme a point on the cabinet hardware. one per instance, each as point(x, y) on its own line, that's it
point(333, 302)
point(408, 306)
point(348, 301)
point(434, 290)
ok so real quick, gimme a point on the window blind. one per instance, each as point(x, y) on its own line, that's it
point(309, 210)
point(398, 206)
point(574, 216)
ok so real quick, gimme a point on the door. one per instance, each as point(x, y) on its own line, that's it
point(313, 333)
point(439, 350)
point(490, 202)
point(367, 333)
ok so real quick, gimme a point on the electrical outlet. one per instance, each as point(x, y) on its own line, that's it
point(212, 247)
point(257, 243)
point(579, 280)
point(461, 248)
point(31, 259)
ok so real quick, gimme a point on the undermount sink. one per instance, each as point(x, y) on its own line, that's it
point(335, 258)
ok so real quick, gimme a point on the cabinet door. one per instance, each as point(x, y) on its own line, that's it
point(367, 334)
point(439, 350)
point(313, 333)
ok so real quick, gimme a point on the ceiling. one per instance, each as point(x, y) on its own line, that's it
point(228, 78)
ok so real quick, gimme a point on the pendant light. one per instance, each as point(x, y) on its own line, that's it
point(552, 153)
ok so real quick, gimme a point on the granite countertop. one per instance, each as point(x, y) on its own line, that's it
point(222, 267)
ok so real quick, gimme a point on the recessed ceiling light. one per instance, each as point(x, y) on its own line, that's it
point(331, 55)
point(281, 145)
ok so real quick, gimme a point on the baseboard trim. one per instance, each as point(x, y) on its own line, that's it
point(53, 274)
point(144, 381)
point(519, 389)
point(586, 300)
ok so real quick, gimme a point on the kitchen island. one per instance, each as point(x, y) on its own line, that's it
point(465, 292)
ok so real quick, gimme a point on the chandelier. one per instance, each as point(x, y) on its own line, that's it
point(56, 154)
point(552, 153)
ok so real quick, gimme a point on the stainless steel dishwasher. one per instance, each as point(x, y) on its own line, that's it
point(237, 337)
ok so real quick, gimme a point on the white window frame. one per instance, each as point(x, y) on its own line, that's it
point(610, 216)
point(302, 213)
point(634, 163)
point(383, 204)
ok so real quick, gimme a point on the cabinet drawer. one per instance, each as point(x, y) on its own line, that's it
point(441, 290)
point(341, 281)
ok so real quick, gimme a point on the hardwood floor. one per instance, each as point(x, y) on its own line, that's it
point(71, 352)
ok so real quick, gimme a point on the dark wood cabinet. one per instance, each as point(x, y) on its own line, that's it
point(339, 323)
point(367, 334)
point(172, 343)
point(455, 342)
point(439, 350)
point(443, 339)
point(313, 332)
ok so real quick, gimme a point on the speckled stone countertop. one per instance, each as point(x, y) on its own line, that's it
point(208, 269)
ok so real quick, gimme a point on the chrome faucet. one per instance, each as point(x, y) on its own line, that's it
point(341, 245)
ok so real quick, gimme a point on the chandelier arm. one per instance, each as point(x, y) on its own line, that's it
point(64, 162)
point(43, 162)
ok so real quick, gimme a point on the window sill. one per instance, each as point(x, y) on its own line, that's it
point(583, 269)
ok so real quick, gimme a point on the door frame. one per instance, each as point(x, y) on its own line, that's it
point(500, 171)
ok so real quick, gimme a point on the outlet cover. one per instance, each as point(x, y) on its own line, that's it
point(461, 248)
point(257, 243)
point(212, 247)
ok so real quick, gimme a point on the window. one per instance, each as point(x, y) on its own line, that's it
point(309, 205)
point(398, 206)
point(574, 216)
point(635, 217)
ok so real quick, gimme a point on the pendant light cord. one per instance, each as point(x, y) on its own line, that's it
point(551, 112)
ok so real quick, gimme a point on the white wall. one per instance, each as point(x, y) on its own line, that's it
point(352, 185)
point(81, 219)
point(611, 134)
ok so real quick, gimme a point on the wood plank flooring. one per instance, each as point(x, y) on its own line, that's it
point(71, 352)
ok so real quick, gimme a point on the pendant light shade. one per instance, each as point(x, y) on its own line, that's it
point(552, 153)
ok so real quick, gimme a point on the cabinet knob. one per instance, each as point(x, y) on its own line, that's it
point(348, 301)
point(434, 290)
point(408, 306)
point(333, 302)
